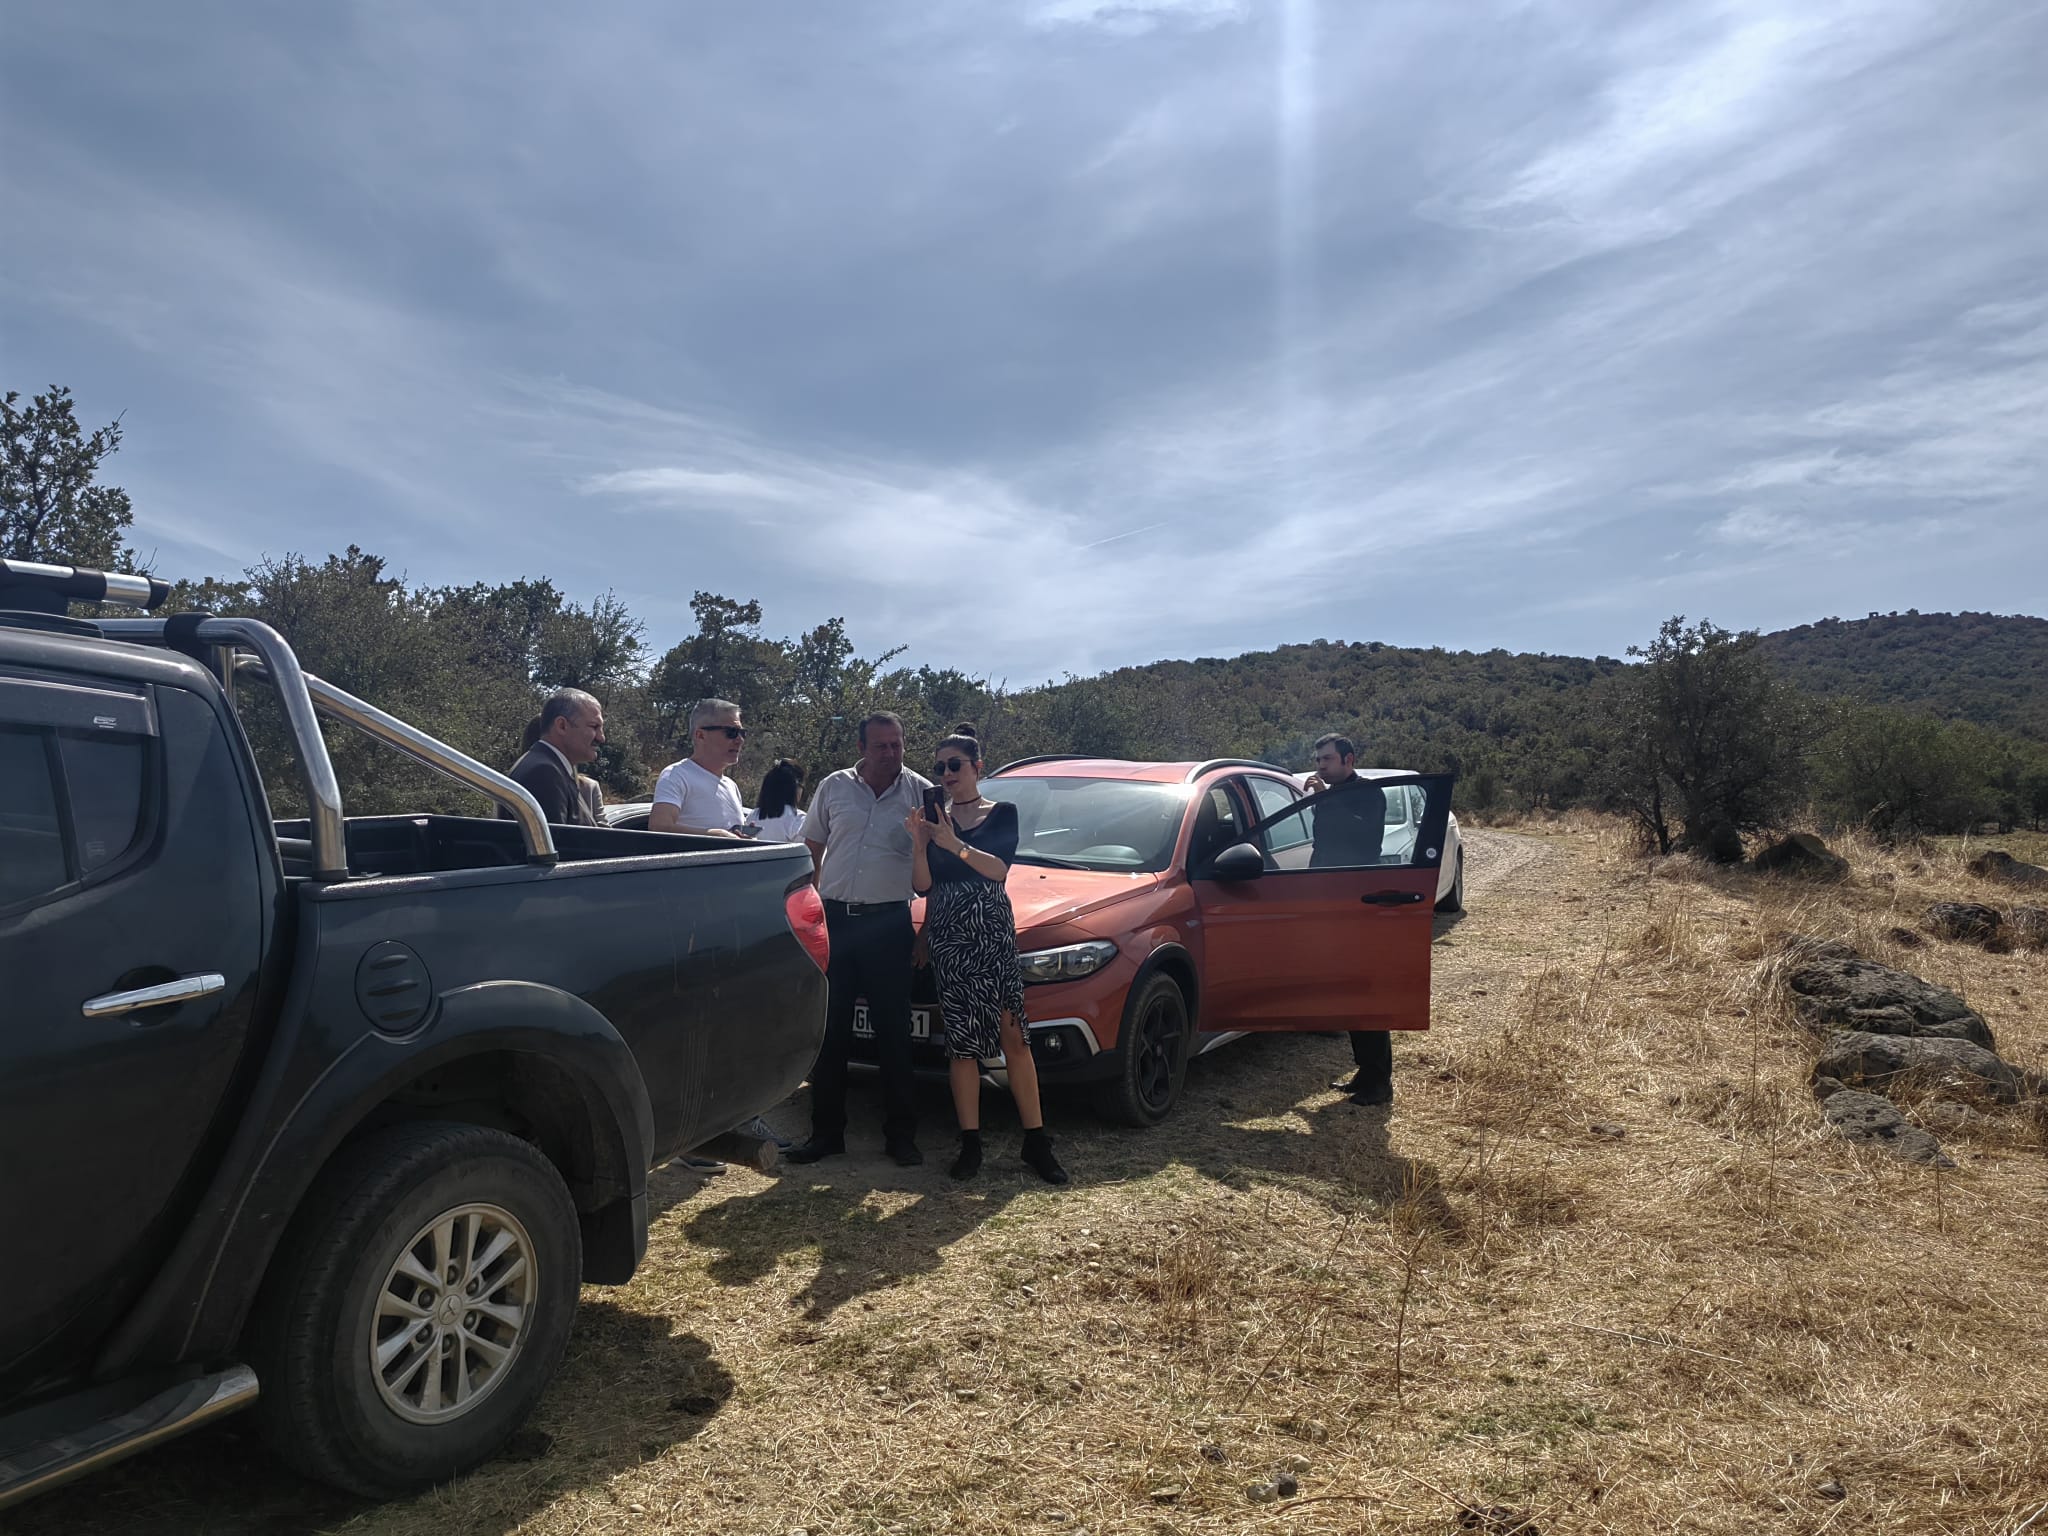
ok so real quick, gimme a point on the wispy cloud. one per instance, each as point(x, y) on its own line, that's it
point(1137, 17)
point(1160, 326)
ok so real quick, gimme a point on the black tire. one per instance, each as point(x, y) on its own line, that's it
point(1454, 901)
point(1152, 1052)
point(323, 1408)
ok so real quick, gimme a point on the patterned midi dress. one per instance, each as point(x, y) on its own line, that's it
point(973, 938)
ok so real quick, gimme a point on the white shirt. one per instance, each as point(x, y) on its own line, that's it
point(701, 798)
point(867, 850)
point(785, 828)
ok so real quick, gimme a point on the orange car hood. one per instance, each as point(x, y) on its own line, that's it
point(1041, 897)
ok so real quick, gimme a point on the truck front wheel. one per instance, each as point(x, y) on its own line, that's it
point(417, 1307)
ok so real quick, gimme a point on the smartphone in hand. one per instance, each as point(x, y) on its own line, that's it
point(934, 802)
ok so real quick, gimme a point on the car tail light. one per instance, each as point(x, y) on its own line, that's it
point(806, 914)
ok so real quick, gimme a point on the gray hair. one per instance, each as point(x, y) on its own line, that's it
point(704, 711)
point(565, 704)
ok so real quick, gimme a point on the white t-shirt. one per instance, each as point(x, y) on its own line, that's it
point(701, 798)
point(785, 828)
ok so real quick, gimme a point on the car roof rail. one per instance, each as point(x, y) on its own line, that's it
point(1214, 763)
point(37, 588)
point(1054, 757)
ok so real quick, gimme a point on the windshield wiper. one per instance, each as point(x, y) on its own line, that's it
point(1048, 859)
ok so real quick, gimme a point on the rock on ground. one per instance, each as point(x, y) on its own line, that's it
point(1967, 921)
point(1804, 855)
point(2003, 867)
point(1866, 1118)
point(1805, 946)
point(1836, 991)
point(1959, 1068)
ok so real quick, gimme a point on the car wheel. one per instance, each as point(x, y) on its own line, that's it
point(1152, 1050)
point(1454, 899)
point(417, 1308)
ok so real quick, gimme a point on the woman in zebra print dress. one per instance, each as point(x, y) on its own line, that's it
point(961, 860)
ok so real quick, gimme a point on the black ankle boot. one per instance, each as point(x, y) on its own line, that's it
point(1038, 1153)
point(968, 1163)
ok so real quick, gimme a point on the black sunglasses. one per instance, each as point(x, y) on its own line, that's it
point(950, 765)
point(732, 732)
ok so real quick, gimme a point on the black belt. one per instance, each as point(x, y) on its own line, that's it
point(862, 908)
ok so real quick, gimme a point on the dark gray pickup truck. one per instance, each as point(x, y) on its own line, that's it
point(330, 1117)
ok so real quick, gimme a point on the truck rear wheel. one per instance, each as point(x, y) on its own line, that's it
point(417, 1309)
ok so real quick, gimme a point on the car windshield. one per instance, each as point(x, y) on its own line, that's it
point(1122, 825)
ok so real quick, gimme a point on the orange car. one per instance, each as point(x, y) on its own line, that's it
point(1164, 909)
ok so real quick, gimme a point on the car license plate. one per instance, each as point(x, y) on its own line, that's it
point(920, 1023)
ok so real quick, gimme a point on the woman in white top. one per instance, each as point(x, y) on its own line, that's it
point(777, 815)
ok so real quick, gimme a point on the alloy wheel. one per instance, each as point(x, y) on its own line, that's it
point(453, 1313)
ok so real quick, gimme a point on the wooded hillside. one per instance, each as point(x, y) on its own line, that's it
point(1986, 667)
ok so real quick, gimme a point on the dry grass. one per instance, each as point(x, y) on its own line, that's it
point(1604, 1269)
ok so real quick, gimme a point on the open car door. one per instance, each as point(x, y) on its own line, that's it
point(1320, 918)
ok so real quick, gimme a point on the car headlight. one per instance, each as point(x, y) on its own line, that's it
point(1066, 963)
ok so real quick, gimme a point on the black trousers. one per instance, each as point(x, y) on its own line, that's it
point(870, 959)
point(1373, 1050)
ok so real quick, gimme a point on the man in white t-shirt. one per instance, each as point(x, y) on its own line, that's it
point(695, 795)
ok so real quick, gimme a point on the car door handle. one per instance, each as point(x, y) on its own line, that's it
point(1391, 898)
point(183, 990)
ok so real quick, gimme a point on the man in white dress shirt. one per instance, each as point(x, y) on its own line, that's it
point(861, 854)
point(697, 794)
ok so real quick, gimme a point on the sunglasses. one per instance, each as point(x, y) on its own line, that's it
point(950, 765)
point(732, 732)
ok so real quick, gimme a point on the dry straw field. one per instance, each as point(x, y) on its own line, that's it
point(1603, 1269)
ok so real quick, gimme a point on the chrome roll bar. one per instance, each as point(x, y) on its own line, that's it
point(437, 755)
point(305, 698)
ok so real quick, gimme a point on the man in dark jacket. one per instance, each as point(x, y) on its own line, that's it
point(571, 730)
point(1350, 825)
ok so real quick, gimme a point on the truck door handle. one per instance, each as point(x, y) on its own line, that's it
point(183, 990)
point(1391, 898)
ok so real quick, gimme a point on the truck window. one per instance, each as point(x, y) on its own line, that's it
point(32, 861)
point(105, 774)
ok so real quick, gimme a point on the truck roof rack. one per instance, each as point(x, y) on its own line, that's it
point(33, 587)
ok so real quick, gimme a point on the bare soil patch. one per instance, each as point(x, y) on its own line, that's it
point(1604, 1268)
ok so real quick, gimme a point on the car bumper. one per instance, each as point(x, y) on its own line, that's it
point(1064, 1049)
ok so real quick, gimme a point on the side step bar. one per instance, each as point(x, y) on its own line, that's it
point(35, 1468)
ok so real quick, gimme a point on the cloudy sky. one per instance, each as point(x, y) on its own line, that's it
point(1048, 335)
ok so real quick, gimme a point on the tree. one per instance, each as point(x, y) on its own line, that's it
point(1896, 772)
point(726, 659)
point(2036, 792)
point(1706, 741)
point(50, 508)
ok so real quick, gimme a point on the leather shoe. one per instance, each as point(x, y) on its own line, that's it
point(1349, 1084)
point(905, 1153)
point(815, 1149)
point(706, 1166)
point(1368, 1095)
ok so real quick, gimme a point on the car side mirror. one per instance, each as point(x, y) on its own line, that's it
point(1240, 861)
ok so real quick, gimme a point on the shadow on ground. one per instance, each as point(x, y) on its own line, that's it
point(1257, 1111)
point(629, 1391)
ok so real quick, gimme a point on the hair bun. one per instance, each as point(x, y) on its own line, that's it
point(966, 728)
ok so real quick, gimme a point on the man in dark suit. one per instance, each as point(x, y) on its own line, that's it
point(1350, 826)
point(571, 728)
